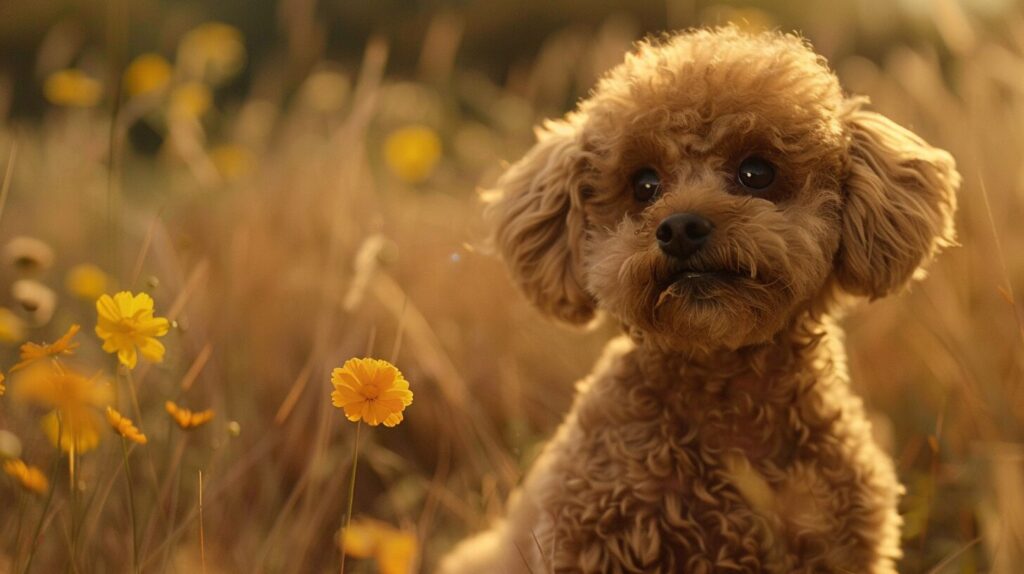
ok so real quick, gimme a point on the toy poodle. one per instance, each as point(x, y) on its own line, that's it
point(720, 197)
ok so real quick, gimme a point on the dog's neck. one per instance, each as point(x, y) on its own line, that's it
point(745, 398)
point(791, 350)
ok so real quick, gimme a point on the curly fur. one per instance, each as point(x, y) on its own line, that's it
point(719, 433)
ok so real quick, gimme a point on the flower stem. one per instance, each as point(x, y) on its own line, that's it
point(131, 504)
point(16, 548)
point(176, 462)
point(49, 498)
point(351, 494)
point(202, 535)
point(135, 397)
point(73, 491)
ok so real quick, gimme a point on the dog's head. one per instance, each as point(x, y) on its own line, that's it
point(713, 186)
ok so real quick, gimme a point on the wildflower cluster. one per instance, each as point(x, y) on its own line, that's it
point(74, 403)
point(169, 96)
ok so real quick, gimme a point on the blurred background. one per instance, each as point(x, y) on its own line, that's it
point(295, 182)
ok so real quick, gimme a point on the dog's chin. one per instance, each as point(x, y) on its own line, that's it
point(709, 308)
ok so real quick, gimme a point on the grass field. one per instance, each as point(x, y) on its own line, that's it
point(323, 208)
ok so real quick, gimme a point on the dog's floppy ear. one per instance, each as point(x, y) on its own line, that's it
point(538, 223)
point(900, 196)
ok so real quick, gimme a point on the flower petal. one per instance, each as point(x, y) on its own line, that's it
point(107, 309)
point(125, 304)
point(152, 350)
point(127, 356)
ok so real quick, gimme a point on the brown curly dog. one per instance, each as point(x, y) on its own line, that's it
point(720, 197)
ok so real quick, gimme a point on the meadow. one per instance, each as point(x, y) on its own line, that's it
point(288, 209)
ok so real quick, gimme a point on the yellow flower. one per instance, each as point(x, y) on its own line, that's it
point(412, 153)
point(190, 100)
point(72, 88)
point(74, 400)
point(31, 478)
point(187, 419)
point(12, 327)
point(371, 390)
point(126, 324)
point(213, 52)
point(360, 538)
point(393, 549)
point(232, 161)
point(3, 387)
point(31, 352)
point(146, 74)
point(397, 553)
point(124, 426)
point(86, 281)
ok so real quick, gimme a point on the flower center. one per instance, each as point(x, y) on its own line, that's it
point(125, 325)
point(371, 391)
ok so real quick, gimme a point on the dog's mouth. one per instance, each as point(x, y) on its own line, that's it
point(696, 276)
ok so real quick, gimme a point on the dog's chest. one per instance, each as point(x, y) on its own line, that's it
point(692, 481)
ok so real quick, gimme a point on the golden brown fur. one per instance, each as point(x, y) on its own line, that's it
point(719, 433)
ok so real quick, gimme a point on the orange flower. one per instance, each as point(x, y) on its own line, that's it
point(72, 88)
point(74, 400)
point(29, 477)
point(31, 352)
point(371, 390)
point(123, 426)
point(394, 550)
point(187, 419)
point(148, 73)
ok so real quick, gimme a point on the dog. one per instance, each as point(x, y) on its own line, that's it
point(720, 197)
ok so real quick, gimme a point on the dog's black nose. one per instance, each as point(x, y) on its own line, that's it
point(680, 235)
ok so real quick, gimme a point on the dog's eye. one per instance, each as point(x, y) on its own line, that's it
point(646, 183)
point(755, 173)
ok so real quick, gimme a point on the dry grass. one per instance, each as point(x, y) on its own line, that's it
point(319, 254)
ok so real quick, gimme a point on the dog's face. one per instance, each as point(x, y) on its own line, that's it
point(714, 186)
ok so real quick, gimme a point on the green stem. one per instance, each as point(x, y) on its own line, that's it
point(72, 484)
point(15, 549)
point(135, 397)
point(174, 499)
point(49, 499)
point(131, 504)
point(351, 494)
point(202, 534)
